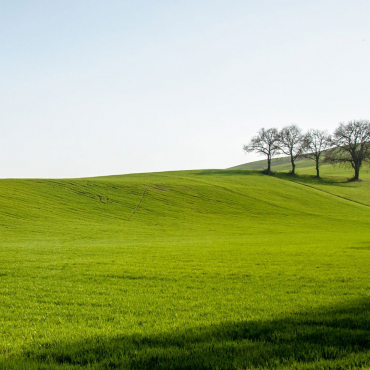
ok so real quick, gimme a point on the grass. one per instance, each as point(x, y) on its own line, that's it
point(185, 270)
point(277, 164)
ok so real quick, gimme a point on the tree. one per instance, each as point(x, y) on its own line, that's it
point(265, 142)
point(352, 142)
point(291, 143)
point(315, 143)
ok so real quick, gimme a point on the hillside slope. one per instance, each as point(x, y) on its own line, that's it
point(277, 164)
point(334, 180)
point(191, 269)
point(192, 199)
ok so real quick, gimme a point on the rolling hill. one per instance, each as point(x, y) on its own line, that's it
point(190, 269)
point(278, 164)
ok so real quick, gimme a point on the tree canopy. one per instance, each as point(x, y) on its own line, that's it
point(352, 145)
point(265, 142)
point(291, 143)
point(316, 142)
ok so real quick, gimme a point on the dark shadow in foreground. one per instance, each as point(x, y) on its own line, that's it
point(331, 338)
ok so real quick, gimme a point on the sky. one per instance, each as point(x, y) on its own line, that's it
point(92, 88)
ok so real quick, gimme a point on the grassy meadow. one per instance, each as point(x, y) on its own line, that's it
point(213, 269)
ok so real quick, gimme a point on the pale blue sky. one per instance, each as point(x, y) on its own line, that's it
point(109, 87)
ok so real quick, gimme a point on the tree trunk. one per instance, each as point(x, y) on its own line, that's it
point(268, 165)
point(357, 173)
point(293, 166)
point(317, 170)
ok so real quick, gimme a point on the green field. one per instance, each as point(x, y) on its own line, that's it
point(213, 269)
point(277, 164)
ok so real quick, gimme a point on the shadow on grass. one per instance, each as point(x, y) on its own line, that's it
point(331, 338)
point(303, 179)
point(313, 180)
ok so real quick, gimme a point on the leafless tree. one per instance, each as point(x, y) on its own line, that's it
point(265, 142)
point(291, 143)
point(316, 142)
point(352, 142)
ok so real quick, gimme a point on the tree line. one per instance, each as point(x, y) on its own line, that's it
point(349, 144)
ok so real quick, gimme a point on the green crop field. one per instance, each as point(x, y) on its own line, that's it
point(213, 269)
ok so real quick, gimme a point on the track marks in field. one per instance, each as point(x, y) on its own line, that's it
point(138, 205)
point(85, 190)
point(156, 187)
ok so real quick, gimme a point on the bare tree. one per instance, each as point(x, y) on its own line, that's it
point(291, 143)
point(316, 142)
point(352, 142)
point(265, 142)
